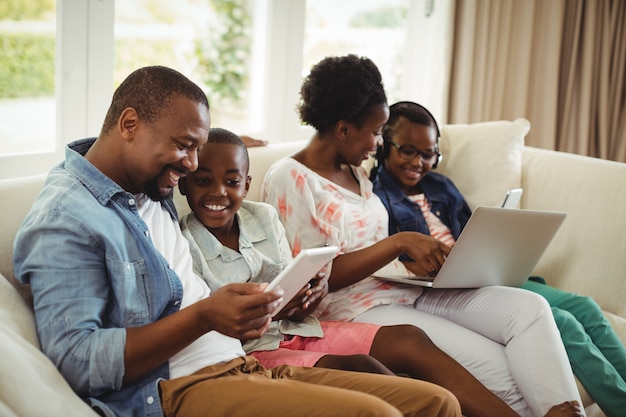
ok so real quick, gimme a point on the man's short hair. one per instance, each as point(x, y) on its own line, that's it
point(150, 90)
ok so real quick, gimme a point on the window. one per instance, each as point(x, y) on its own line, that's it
point(82, 71)
point(250, 56)
point(408, 40)
point(210, 41)
point(375, 29)
point(27, 76)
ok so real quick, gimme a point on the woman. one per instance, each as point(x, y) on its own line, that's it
point(505, 336)
point(421, 200)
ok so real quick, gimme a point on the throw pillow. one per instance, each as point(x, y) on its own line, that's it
point(484, 160)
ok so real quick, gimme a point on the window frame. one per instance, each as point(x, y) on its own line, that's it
point(83, 76)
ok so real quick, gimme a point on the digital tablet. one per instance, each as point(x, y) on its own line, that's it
point(300, 271)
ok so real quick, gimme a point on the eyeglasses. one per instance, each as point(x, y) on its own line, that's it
point(410, 152)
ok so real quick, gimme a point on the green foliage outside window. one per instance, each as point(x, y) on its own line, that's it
point(27, 60)
point(25, 9)
point(26, 65)
point(133, 53)
point(223, 55)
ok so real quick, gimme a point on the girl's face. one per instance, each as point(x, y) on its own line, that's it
point(411, 140)
point(362, 141)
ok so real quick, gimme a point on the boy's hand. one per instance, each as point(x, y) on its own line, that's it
point(307, 300)
point(242, 311)
point(295, 303)
point(319, 290)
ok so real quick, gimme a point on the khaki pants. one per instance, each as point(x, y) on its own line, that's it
point(243, 387)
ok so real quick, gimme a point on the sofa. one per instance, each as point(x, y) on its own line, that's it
point(587, 256)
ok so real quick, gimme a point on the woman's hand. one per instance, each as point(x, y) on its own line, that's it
point(428, 253)
point(352, 267)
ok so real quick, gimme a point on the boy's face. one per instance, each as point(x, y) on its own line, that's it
point(219, 185)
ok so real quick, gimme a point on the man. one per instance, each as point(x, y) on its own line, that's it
point(120, 311)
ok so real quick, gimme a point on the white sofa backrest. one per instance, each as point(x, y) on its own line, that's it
point(16, 198)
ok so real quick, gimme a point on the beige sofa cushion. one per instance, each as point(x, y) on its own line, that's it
point(587, 254)
point(30, 385)
point(484, 160)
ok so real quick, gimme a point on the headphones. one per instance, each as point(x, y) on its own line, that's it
point(413, 112)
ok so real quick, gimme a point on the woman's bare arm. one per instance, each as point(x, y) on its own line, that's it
point(350, 268)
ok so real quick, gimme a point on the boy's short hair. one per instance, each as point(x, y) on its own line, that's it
point(224, 136)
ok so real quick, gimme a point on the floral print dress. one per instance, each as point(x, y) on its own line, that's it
point(316, 211)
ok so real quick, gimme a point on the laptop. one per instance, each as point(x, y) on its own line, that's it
point(498, 246)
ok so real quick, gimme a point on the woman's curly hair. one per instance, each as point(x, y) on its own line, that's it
point(340, 88)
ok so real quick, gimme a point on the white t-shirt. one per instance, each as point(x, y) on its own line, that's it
point(212, 347)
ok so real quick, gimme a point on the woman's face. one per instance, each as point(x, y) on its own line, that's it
point(362, 141)
point(411, 138)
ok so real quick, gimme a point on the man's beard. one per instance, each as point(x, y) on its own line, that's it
point(154, 192)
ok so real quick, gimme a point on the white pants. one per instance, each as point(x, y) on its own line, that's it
point(506, 337)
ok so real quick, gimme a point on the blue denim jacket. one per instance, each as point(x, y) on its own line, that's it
point(94, 271)
point(446, 201)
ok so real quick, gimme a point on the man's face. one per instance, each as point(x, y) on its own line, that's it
point(166, 150)
point(217, 188)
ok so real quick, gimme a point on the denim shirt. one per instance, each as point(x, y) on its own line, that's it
point(94, 272)
point(445, 199)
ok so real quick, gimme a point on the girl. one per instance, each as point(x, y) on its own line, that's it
point(419, 199)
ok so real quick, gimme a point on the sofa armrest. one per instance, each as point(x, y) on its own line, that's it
point(16, 198)
point(587, 256)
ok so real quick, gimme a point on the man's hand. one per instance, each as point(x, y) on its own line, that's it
point(242, 311)
point(251, 142)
